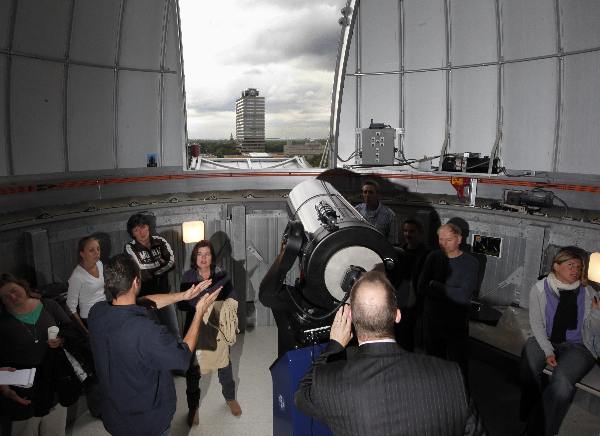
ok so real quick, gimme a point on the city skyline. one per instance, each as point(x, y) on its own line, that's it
point(288, 51)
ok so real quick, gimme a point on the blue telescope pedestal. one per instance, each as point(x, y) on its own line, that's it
point(286, 373)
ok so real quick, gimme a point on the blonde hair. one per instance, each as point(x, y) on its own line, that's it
point(569, 253)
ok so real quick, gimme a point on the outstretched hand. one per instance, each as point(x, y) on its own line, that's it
point(206, 300)
point(341, 328)
point(195, 290)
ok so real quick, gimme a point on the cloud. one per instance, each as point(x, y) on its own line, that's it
point(287, 50)
point(307, 37)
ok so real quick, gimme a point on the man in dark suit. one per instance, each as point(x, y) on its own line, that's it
point(382, 389)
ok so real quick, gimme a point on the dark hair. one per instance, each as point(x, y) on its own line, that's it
point(82, 243)
point(138, 219)
point(198, 246)
point(372, 183)
point(119, 273)
point(413, 222)
point(6, 278)
point(375, 320)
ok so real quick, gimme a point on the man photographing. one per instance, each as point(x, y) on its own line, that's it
point(134, 355)
point(382, 389)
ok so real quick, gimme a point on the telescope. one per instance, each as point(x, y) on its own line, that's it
point(333, 245)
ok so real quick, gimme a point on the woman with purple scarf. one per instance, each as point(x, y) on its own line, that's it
point(561, 312)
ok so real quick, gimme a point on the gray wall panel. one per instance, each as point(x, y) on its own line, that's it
point(5, 15)
point(95, 31)
point(529, 114)
point(138, 124)
point(381, 19)
point(4, 152)
point(528, 28)
point(425, 113)
point(474, 107)
point(263, 238)
point(142, 33)
point(380, 96)
point(41, 27)
point(173, 122)
point(37, 116)
point(347, 135)
point(172, 55)
point(473, 31)
point(91, 119)
point(579, 150)
point(425, 44)
point(580, 24)
point(352, 55)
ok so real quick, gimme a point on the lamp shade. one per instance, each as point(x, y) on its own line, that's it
point(193, 231)
point(594, 268)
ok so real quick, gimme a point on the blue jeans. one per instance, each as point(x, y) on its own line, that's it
point(551, 403)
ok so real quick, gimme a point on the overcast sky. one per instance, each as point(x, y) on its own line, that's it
point(285, 49)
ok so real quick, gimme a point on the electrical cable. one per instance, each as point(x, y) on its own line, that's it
point(349, 157)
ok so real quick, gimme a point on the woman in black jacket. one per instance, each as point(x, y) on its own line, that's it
point(33, 409)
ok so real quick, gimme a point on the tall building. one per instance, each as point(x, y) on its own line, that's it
point(250, 121)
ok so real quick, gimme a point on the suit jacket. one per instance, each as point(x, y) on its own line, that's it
point(384, 390)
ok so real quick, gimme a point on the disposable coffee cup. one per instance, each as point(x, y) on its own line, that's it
point(52, 332)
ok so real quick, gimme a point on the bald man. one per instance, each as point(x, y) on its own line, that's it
point(382, 389)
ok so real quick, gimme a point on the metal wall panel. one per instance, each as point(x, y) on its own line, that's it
point(528, 28)
point(141, 35)
point(380, 50)
point(5, 19)
point(173, 141)
point(91, 118)
point(4, 152)
point(37, 116)
point(529, 114)
point(95, 31)
point(580, 24)
point(425, 117)
point(42, 27)
point(425, 43)
point(473, 97)
point(352, 66)
point(138, 118)
point(347, 135)
point(380, 97)
point(172, 52)
point(579, 150)
point(473, 31)
point(263, 238)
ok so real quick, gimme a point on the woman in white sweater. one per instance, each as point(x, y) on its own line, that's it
point(86, 284)
point(563, 312)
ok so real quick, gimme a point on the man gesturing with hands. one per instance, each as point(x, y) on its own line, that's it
point(134, 355)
